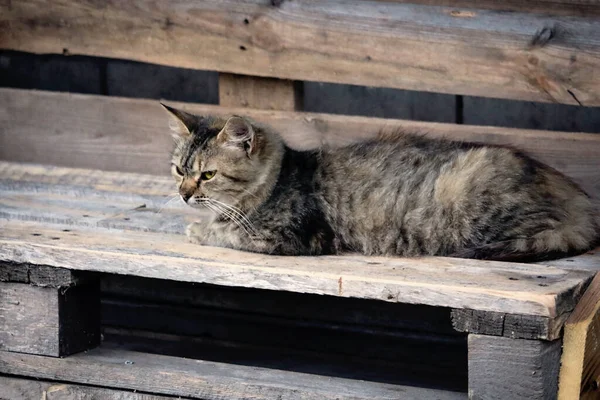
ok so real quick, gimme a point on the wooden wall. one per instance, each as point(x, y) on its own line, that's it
point(133, 79)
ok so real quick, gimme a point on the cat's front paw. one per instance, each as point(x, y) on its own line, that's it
point(194, 232)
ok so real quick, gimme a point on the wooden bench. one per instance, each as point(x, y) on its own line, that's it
point(101, 295)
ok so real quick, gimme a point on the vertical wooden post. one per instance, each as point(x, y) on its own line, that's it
point(517, 369)
point(257, 92)
point(47, 311)
point(580, 364)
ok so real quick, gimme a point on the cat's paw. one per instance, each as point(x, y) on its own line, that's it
point(194, 232)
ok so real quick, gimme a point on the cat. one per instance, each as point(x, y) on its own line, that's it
point(401, 194)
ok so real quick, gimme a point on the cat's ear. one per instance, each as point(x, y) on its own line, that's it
point(238, 133)
point(181, 123)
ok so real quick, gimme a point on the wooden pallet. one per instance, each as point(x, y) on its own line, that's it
point(66, 230)
point(101, 296)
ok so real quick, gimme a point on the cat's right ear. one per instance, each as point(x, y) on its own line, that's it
point(181, 123)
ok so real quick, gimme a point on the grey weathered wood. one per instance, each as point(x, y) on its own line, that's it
point(29, 389)
point(407, 46)
point(516, 326)
point(41, 275)
point(503, 368)
point(202, 379)
point(132, 135)
point(261, 93)
point(49, 321)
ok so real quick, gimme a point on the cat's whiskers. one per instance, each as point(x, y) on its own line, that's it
point(235, 215)
point(175, 197)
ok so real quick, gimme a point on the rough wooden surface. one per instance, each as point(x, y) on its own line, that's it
point(49, 321)
point(202, 379)
point(41, 275)
point(29, 389)
point(261, 93)
point(502, 368)
point(74, 218)
point(132, 135)
point(408, 46)
point(580, 370)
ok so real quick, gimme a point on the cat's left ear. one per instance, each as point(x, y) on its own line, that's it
point(238, 133)
point(182, 123)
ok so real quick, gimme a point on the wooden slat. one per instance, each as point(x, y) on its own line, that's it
point(28, 389)
point(515, 369)
point(261, 93)
point(580, 370)
point(133, 135)
point(203, 379)
point(418, 47)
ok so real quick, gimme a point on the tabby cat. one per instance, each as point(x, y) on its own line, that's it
point(401, 194)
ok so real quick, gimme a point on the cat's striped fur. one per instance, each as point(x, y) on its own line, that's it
point(401, 195)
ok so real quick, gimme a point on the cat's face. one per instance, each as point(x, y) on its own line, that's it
point(224, 160)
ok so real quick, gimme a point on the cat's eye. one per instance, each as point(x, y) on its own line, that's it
point(208, 175)
point(178, 170)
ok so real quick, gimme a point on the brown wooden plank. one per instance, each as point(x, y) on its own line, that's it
point(49, 321)
point(465, 283)
point(261, 93)
point(28, 389)
point(202, 379)
point(418, 47)
point(133, 135)
point(41, 275)
point(502, 368)
point(580, 370)
point(584, 8)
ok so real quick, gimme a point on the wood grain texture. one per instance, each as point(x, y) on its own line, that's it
point(41, 275)
point(502, 368)
point(463, 284)
point(132, 135)
point(49, 321)
point(580, 370)
point(260, 93)
point(407, 46)
point(203, 379)
point(29, 320)
point(29, 389)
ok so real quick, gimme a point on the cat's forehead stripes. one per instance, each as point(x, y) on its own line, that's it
point(197, 142)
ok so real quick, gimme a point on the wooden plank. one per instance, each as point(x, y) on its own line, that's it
point(27, 389)
point(465, 283)
point(580, 370)
point(584, 8)
point(516, 369)
point(41, 275)
point(49, 321)
point(474, 52)
point(261, 93)
point(202, 379)
point(131, 134)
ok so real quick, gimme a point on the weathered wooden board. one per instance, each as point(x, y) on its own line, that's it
point(29, 389)
point(408, 46)
point(516, 369)
point(41, 275)
point(49, 321)
point(132, 135)
point(580, 370)
point(261, 93)
point(447, 282)
point(203, 379)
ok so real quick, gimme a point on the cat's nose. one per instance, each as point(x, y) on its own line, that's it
point(186, 196)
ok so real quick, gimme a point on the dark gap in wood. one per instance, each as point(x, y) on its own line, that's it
point(459, 110)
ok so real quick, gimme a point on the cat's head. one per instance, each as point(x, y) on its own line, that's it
point(229, 160)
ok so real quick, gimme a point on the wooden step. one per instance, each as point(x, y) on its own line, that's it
point(200, 379)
